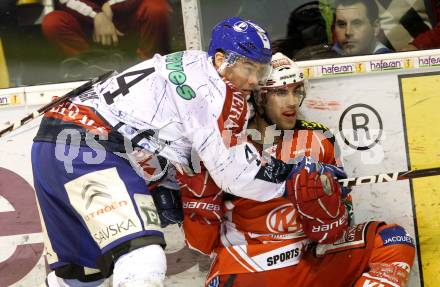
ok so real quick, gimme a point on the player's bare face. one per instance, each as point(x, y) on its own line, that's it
point(355, 33)
point(282, 105)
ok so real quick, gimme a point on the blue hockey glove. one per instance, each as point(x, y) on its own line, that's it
point(168, 205)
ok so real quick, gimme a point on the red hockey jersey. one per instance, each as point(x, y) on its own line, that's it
point(259, 236)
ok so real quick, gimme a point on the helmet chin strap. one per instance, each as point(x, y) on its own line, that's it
point(229, 60)
point(221, 69)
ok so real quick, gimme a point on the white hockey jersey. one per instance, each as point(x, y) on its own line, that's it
point(176, 106)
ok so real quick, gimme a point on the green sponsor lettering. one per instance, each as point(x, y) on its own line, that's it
point(186, 92)
point(175, 66)
point(177, 78)
point(174, 57)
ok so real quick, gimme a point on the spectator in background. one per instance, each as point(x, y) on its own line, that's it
point(306, 34)
point(76, 24)
point(356, 28)
point(429, 39)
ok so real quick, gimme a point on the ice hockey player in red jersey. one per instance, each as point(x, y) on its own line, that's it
point(303, 239)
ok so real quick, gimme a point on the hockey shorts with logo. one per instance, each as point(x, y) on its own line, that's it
point(370, 254)
point(94, 209)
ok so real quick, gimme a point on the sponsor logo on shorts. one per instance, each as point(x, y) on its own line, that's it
point(284, 256)
point(147, 211)
point(111, 214)
point(91, 190)
point(107, 208)
point(114, 230)
point(396, 235)
point(151, 215)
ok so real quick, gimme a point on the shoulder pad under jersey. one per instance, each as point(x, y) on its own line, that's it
point(306, 125)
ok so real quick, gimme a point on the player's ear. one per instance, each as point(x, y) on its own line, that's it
point(219, 58)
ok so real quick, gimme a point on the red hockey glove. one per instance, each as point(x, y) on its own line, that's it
point(318, 200)
point(202, 204)
point(202, 200)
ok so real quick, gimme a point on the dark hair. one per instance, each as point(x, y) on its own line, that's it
point(370, 5)
point(306, 27)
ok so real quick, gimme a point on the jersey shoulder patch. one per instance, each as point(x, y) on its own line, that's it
point(307, 125)
point(396, 235)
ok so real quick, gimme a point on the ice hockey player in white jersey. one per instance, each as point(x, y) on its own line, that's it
point(99, 215)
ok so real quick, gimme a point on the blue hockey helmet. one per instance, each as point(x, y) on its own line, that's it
point(244, 38)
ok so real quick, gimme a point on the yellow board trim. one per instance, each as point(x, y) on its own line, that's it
point(4, 75)
point(422, 116)
point(25, 2)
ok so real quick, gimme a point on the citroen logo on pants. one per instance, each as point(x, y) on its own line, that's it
point(92, 190)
